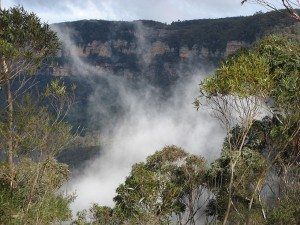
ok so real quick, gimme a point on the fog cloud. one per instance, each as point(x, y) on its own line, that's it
point(147, 125)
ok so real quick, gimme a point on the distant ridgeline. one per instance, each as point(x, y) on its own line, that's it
point(160, 52)
point(154, 52)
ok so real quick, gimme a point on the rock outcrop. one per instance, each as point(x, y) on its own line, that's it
point(158, 51)
point(233, 46)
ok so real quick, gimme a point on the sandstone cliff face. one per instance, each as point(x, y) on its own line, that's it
point(115, 50)
point(158, 51)
point(157, 48)
point(233, 46)
point(110, 54)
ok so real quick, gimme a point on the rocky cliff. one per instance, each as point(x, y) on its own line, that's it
point(157, 51)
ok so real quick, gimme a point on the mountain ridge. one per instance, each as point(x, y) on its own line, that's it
point(150, 51)
point(153, 50)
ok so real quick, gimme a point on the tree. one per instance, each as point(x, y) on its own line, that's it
point(32, 132)
point(168, 187)
point(25, 43)
point(33, 197)
point(235, 109)
point(290, 5)
point(249, 171)
point(265, 77)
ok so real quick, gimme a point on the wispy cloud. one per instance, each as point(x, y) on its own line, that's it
point(147, 124)
point(164, 11)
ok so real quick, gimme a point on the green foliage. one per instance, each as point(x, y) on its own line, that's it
point(103, 215)
point(243, 75)
point(167, 184)
point(288, 210)
point(37, 175)
point(268, 158)
point(268, 70)
point(33, 198)
point(7, 48)
point(158, 187)
point(25, 41)
point(30, 135)
point(248, 172)
point(55, 88)
point(284, 66)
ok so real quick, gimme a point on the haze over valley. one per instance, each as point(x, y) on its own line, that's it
point(142, 78)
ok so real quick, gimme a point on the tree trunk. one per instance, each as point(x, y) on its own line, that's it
point(9, 106)
point(9, 101)
point(191, 209)
point(229, 194)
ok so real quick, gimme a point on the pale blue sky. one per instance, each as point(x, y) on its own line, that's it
point(52, 11)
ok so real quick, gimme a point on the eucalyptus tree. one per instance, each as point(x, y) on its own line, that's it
point(31, 133)
point(25, 43)
point(291, 6)
point(168, 188)
point(169, 183)
point(263, 77)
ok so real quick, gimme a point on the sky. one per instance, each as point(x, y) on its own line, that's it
point(53, 11)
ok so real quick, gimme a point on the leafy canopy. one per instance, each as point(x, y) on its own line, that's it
point(268, 70)
point(25, 42)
